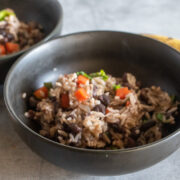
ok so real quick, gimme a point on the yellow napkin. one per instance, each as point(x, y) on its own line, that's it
point(175, 43)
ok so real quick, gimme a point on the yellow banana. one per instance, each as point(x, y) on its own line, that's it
point(175, 43)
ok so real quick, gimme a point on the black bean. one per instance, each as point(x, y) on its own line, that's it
point(104, 99)
point(2, 41)
point(3, 32)
point(72, 128)
point(33, 102)
point(116, 127)
point(167, 128)
point(31, 114)
point(83, 116)
point(32, 24)
point(148, 124)
point(124, 78)
point(75, 128)
point(139, 143)
point(101, 136)
point(52, 98)
point(143, 95)
point(135, 132)
point(100, 108)
point(130, 142)
point(10, 37)
point(138, 83)
point(56, 106)
point(66, 128)
point(22, 42)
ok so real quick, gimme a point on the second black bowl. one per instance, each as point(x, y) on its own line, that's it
point(152, 62)
point(48, 13)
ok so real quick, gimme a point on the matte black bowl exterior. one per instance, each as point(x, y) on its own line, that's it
point(46, 12)
point(151, 61)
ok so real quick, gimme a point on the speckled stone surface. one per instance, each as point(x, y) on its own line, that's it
point(17, 161)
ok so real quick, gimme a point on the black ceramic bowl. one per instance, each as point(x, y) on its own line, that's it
point(151, 61)
point(48, 13)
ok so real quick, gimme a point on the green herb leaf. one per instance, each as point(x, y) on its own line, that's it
point(159, 116)
point(144, 120)
point(107, 133)
point(48, 85)
point(101, 73)
point(117, 86)
point(172, 98)
point(84, 74)
point(4, 13)
point(113, 147)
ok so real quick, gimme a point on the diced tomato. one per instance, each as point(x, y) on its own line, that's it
point(127, 103)
point(78, 85)
point(12, 47)
point(82, 79)
point(2, 50)
point(107, 111)
point(65, 100)
point(41, 93)
point(81, 94)
point(122, 92)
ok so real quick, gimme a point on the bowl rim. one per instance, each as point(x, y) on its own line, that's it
point(46, 38)
point(47, 140)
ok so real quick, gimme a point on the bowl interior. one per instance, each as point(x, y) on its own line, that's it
point(44, 12)
point(150, 61)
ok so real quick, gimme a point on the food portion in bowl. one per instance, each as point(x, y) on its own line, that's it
point(16, 35)
point(101, 111)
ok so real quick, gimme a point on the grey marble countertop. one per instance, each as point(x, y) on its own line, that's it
point(17, 161)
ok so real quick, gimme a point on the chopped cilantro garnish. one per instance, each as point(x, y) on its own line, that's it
point(113, 147)
point(117, 86)
point(159, 116)
point(4, 13)
point(172, 98)
point(48, 85)
point(144, 120)
point(107, 133)
point(84, 74)
point(101, 73)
